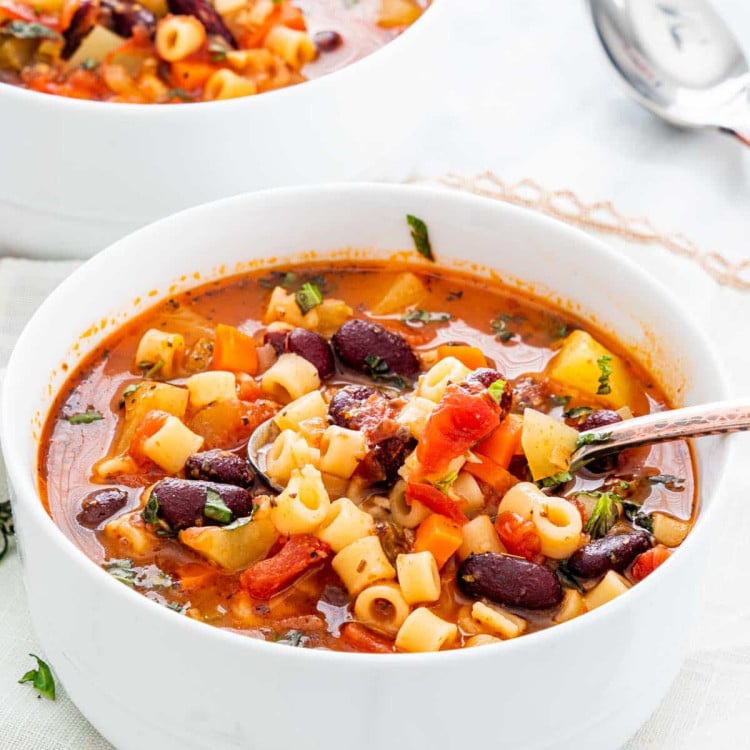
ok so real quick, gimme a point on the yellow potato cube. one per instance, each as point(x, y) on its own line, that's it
point(547, 444)
point(159, 346)
point(610, 587)
point(207, 387)
point(172, 445)
point(580, 364)
point(406, 290)
point(572, 606)
point(669, 530)
point(500, 621)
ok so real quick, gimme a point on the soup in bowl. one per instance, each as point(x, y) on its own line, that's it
point(424, 403)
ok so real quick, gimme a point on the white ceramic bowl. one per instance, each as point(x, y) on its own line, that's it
point(148, 678)
point(83, 174)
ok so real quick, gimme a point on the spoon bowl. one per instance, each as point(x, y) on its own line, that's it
point(679, 60)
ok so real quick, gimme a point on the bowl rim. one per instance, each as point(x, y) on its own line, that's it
point(26, 97)
point(26, 491)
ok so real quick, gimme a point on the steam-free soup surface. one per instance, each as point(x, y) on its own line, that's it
point(424, 421)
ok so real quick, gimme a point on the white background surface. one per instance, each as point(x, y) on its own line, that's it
point(520, 87)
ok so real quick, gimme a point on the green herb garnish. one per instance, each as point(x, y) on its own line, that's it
point(446, 482)
point(217, 52)
point(242, 521)
point(290, 638)
point(636, 516)
point(497, 390)
point(559, 400)
point(150, 577)
point(668, 480)
point(151, 368)
point(420, 237)
point(150, 513)
point(605, 513)
point(577, 412)
point(422, 316)
point(605, 367)
point(28, 30)
point(7, 530)
point(132, 388)
point(307, 297)
point(378, 369)
point(500, 326)
point(567, 579)
point(41, 678)
point(593, 437)
point(85, 417)
point(560, 478)
point(89, 64)
point(215, 508)
point(179, 93)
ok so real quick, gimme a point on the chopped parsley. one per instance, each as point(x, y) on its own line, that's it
point(567, 579)
point(242, 521)
point(85, 417)
point(605, 513)
point(420, 237)
point(307, 297)
point(636, 516)
point(151, 368)
point(424, 317)
point(41, 678)
point(378, 369)
point(89, 64)
point(6, 527)
point(132, 388)
point(149, 577)
point(577, 412)
point(446, 482)
point(560, 478)
point(179, 93)
point(150, 513)
point(215, 508)
point(593, 437)
point(497, 390)
point(500, 326)
point(217, 51)
point(668, 480)
point(605, 368)
point(290, 638)
point(28, 30)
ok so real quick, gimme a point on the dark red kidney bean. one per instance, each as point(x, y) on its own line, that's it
point(357, 340)
point(345, 409)
point(220, 466)
point(593, 421)
point(100, 505)
point(510, 581)
point(182, 501)
point(206, 14)
point(599, 418)
point(613, 552)
point(484, 375)
point(314, 348)
point(327, 41)
point(381, 464)
point(123, 16)
point(277, 339)
point(83, 20)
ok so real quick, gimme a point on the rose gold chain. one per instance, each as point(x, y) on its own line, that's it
point(601, 216)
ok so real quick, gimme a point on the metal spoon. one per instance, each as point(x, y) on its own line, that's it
point(689, 422)
point(678, 59)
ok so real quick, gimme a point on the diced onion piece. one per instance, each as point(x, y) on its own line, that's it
point(547, 444)
point(214, 385)
point(499, 620)
point(610, 587)
point(572, 606)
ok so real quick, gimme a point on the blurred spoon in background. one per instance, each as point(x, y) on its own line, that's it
point(678, 59)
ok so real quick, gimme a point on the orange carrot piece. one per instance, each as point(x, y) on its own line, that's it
point(500, 479)
point(292, 17)
point(504, 442)
point(253, 37)
point(189, 75)
point(151, 423)
point(193, 576)
point(438, 535)
point(234, 351)
point(472, 356)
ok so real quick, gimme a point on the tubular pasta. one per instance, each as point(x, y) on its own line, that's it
point(382, 606)
point(344, 524)
point(362, 563)
point(408, 516)
point(303, 505)
point(179, 36)
point(424, 631)
point(415, 414)
point(418, 577)
point(341, 450)
point(225, 84)
point(559, 525)
point(309, 406)
point(290, 377)
point(479, 536)
point(433, 383)
point(288, 452)
point(294, 47)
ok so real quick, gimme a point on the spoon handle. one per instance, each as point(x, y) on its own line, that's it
point(741, 134)
point(692, 421)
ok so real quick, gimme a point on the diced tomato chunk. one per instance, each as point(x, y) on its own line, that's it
point(518, 534)
point(647, 562)
point(270, 576)
point(437, 501)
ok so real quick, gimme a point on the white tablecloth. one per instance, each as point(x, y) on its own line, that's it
point(521, 88)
